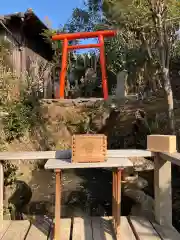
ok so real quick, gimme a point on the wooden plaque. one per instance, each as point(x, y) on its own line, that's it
point(89, 148)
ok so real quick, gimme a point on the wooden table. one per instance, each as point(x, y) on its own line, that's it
point(116, 163)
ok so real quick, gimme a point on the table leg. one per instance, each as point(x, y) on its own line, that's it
point(113, 196)
point(57, 205)
point(114, 200)
point(118, 203)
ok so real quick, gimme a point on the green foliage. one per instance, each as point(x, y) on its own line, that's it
point(18, 121)
point(9, 172)
point(175, 50)
point(154, 25)
point(137, 44)
point(18, 106)
point(78, 126)
point(21, 110)
point(56, 45)
point(140, 18)
point(122, 51)
point(86, 19)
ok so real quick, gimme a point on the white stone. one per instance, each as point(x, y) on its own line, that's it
point(121, 82)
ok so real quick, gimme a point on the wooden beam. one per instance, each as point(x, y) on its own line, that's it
point(82, 228)
point(143, 229)
point(81, 35)
point(129, 153)
point(82, 46)
point(64, 154)
point(1, 190)
point(172, 157)
point(166, 233)
point(162, 191)
point(4, 225)
point(35, 155)
point(17, 230)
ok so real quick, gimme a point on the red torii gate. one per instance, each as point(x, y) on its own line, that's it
point(73, 36)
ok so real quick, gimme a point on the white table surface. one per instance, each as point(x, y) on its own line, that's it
point(112, 162)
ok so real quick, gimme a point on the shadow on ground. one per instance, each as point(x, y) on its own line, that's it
point(84, 193)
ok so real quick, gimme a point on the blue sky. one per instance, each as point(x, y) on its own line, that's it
point(58, 11)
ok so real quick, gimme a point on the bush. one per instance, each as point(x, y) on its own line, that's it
point(21, 116)
point(18, 100)
point(9, 172)
point(16, 123)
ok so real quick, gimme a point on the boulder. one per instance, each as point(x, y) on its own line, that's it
point(20, 197)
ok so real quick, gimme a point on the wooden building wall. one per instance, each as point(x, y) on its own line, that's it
point(25, 61)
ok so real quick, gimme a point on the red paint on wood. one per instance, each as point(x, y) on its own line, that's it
point(103, 67)
point(63, 69)
point(81, 35)
point(83, 46)
point(72, 36)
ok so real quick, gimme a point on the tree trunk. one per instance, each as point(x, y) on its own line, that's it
point(169, 95)
point(164, 53)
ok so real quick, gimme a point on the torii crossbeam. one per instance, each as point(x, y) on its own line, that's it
point(73, 36)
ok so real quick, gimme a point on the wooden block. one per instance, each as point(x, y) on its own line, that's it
point(161, 143)
point(89, 148)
